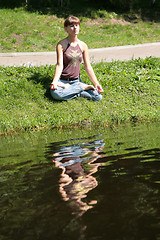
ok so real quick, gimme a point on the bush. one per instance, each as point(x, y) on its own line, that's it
point(116, 4)
point(130, 4)
point(40, 4)
point(12, 4)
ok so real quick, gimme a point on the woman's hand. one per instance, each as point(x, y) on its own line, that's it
point(99, 88)
point(53, 86)
point(59, 84)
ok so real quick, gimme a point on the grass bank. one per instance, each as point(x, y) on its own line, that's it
point(25, 31)
point(131, 93)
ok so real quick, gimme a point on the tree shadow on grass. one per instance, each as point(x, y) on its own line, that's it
point(146, 10)
point(44, 80)
point(95, 10)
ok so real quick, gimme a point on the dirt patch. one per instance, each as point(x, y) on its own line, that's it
point(54, 18)
point(99, 21)
point(96, 22)
point(119, 22)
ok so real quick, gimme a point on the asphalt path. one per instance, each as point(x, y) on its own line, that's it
point(108, 54)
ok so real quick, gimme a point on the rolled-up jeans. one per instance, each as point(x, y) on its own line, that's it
point(73, 91)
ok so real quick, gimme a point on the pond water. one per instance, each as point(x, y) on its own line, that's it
point(93, 184)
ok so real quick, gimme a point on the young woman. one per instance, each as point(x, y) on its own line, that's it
point(71, 51)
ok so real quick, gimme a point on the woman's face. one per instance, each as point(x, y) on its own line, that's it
point(73, 29)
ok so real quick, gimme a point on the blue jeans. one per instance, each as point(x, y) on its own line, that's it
point(73, 91)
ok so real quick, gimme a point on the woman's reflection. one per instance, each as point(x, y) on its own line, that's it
point(76, 180)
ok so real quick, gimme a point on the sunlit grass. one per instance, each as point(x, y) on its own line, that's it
point(131, 93)
point(24, 31)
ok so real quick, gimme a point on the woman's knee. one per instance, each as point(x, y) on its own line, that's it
point(97, 97)
point(56, 95)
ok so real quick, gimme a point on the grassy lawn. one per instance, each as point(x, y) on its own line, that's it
point(24, 31)
point(131, 93)
point(131, 89)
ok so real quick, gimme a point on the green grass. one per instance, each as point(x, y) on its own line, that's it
point(131, 89)
point(24, 31)
point(131, 93)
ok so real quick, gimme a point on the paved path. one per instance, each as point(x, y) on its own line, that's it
point(122, 53)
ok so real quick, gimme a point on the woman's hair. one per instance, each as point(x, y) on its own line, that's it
point(71, 20)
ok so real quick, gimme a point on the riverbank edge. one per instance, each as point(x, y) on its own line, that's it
point(79, 125)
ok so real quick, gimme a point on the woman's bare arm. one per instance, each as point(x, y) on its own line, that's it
point(59, 66)
point(89, 69)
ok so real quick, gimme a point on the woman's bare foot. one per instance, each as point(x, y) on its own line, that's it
point(87, 87)
point(63, 85)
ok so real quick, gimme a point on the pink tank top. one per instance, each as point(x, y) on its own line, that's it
point(72, 57)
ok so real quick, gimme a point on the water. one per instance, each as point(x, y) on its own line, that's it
point(95, 184)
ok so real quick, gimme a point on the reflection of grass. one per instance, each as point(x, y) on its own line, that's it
point(131, 93)
point(24, 31)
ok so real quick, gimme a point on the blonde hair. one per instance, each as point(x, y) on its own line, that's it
point(71, 20)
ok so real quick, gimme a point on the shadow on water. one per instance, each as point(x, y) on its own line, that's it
point(95, 184)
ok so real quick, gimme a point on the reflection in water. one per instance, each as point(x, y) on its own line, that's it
point(117, 172)
point(77, 164)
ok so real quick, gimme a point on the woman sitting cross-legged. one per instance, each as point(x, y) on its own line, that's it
point(71, 51)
